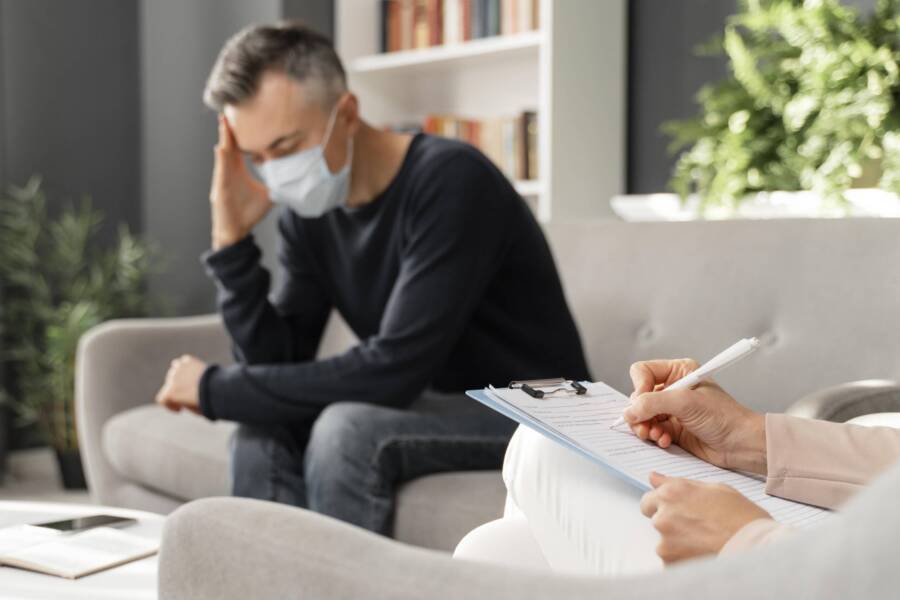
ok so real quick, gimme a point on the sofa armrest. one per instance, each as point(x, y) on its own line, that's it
point(846, 401)
point(121, 364)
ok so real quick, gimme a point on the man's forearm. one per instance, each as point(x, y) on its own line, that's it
point(254, 326)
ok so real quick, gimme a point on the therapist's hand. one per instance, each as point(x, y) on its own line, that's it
point(706, 421)
point(239, 201)
point(695, 518)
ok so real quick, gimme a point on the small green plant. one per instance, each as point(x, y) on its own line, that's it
point(813, 103)
point(55, 284)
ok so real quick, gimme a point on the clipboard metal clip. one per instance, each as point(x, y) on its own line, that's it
point(558, 388)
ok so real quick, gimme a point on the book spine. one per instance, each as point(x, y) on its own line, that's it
point(385, 21)
point(477, 19)
point(523, 11)
point(493, 17)
point(466, 19)
point(407, 23)
point(436, 22)
point(532, 141)
point(505, 12)
point(522, 146)
point(420, 24)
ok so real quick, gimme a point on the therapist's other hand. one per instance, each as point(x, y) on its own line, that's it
point(706, 421)
point(695, 518)
point(239, 201)
point(181, 389)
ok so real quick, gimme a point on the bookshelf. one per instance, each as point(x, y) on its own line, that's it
point(571, 71)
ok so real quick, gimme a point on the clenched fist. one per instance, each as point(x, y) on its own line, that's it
point(181, 388)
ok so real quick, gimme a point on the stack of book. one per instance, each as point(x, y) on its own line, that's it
point(408, 24)
point(511, 143)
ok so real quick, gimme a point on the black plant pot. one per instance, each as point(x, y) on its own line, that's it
point(70, 469)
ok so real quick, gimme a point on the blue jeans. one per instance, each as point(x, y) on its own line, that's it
point(350, 462)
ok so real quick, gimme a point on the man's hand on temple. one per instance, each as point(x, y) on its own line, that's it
point(706, 421)
point(181, 388)
point(695, 518)
point(238, 200)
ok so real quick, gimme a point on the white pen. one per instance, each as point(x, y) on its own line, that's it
point(726, 358)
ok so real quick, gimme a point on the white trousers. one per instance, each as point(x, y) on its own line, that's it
point(565, 514)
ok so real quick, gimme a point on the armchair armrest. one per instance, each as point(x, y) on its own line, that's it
point(121, 364)
point(846, 401)
point(239, 548)
point(222, 548)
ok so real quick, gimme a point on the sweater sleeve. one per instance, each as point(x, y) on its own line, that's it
point(454, 241)
point(824, 463)
point(285, 328)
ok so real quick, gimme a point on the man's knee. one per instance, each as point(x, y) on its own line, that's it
point(342, 439)
point(262, 459)
point(247, 443)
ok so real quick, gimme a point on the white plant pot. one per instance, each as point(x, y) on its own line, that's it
point(765, 205)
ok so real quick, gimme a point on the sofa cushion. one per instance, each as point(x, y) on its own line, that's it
point(179, 454)
point(437, 511)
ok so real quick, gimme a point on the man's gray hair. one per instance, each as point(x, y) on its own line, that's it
point(290, 47)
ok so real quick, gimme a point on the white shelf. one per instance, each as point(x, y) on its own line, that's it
point(455, 55)
point(529, 188)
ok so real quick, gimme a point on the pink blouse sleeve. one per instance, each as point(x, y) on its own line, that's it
point(755, 533)
point(824, 463)
point(816, 462)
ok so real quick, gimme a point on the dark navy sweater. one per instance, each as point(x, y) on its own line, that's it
point(445, 277)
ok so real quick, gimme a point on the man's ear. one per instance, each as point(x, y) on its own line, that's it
point(349, 113)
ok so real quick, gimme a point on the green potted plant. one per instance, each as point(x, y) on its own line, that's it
point(812, 106)
point(56, 285)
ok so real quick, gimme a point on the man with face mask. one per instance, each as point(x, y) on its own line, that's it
point(419, 242)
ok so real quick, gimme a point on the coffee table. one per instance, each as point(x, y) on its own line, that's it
point(136, 580)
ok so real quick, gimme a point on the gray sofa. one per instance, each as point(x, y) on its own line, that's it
point(822, 295)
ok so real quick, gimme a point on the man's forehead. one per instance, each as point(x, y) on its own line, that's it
point(281, 106)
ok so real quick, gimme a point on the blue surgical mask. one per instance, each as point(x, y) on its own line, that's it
point(303, 181)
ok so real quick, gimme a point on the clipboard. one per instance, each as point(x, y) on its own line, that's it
point(580, 426)
point(511, 412)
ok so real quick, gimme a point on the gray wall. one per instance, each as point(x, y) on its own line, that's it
point(69, 102)
point(179, 43)
point(664, 76)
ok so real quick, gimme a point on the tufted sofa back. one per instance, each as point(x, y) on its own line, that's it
point(822, 295)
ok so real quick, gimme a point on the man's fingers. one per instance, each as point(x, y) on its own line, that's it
point(226, 135)
point(223, 132)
